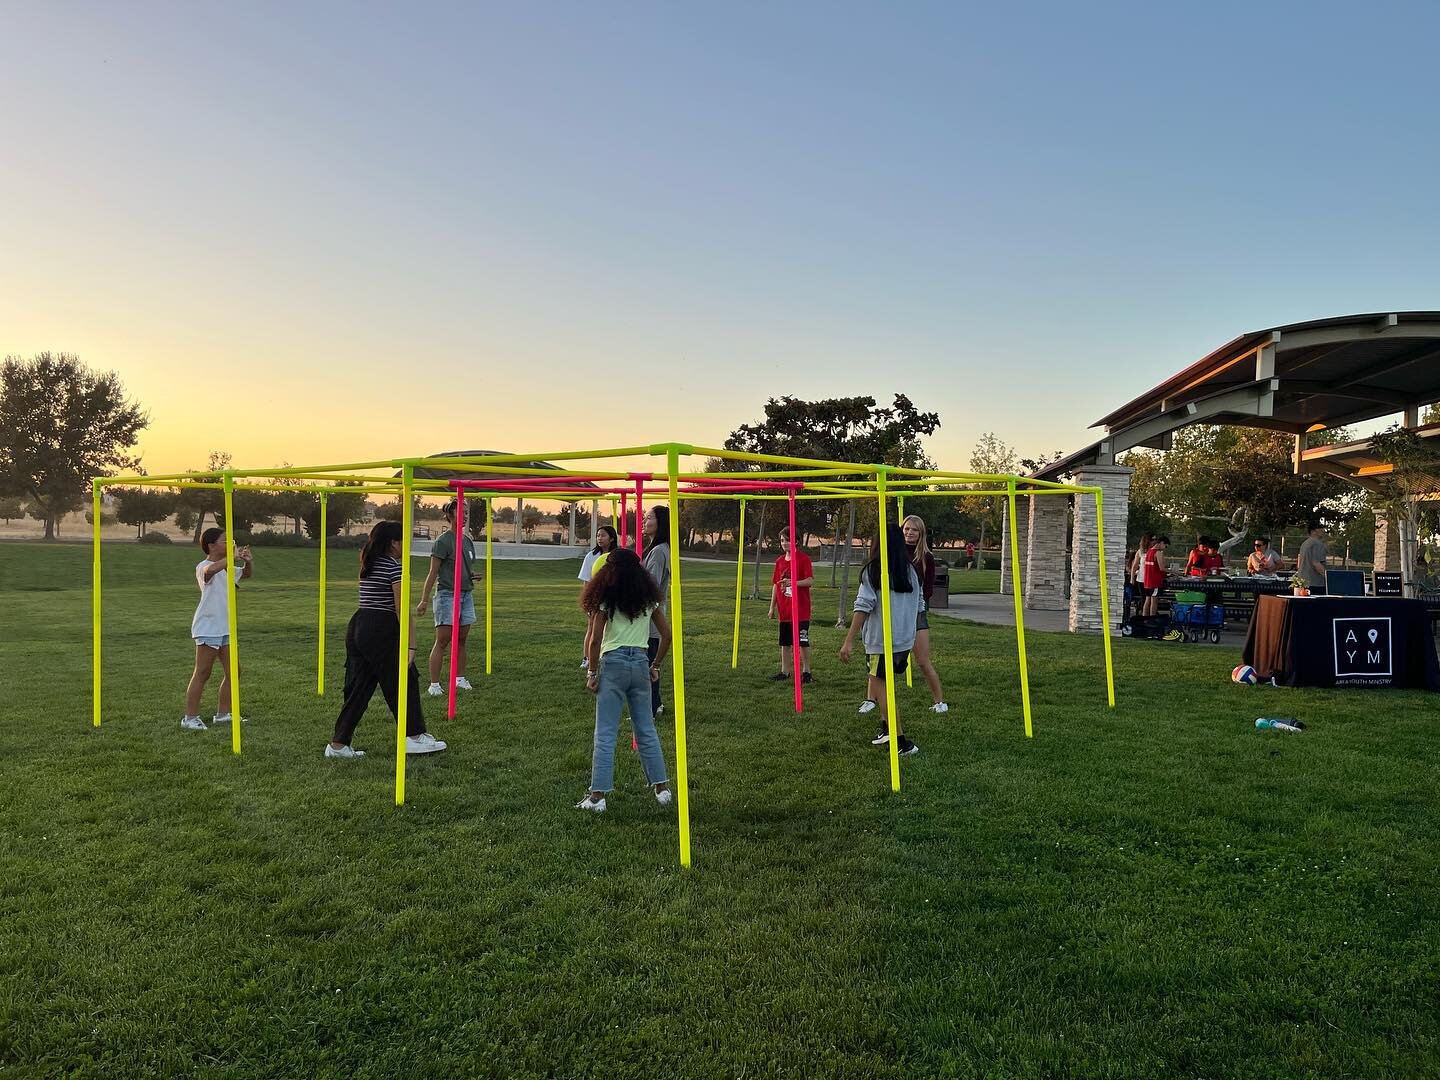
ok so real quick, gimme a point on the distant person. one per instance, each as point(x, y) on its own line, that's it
point(372, 649)
point(1204, 559)
point(657, 564)
point(917, 548)
point(623, 605)
point(1310, 564)
point(210, 628)
point(970, 555)
point(605, 542)
point(1154, 574)
point(1262, 560)
point(1137, 571)
point(868, 625)
point(441, 579)
point(790, 598)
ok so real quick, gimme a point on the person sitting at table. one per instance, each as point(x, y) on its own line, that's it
point(1154, 574)
point(1310, 566)
point(1262, 560)
point(1204, 559)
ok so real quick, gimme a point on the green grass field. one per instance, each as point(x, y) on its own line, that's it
point(1154, 890)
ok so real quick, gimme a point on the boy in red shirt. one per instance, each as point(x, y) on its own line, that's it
point(790, 595)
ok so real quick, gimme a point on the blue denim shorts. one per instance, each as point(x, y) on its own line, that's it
point(444, 605)
point(213, 642)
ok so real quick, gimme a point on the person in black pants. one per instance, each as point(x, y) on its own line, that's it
point(372, 649)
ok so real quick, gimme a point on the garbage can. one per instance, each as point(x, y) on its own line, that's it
point(940, 598)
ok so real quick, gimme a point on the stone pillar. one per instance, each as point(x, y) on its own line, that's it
point(572, 525)
point(1387, 543)
point(1114, 482)
point(519, 522)
point(1044, 576)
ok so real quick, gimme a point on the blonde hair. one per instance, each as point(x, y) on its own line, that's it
point(922, 549)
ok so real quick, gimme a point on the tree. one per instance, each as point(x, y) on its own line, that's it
point(294, 505)
point(341, 509)
point(141, 506)
point(503, 515)
point(61, 424)
point(532, 519)
point(11, 508)
point(1414, 471)
point(991, 455)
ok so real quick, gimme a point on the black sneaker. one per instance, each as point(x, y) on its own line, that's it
point(881, 738)
point(807, 678)
point(779, 676)
point(907, 748)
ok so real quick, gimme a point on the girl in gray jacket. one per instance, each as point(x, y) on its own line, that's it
point(905, 600)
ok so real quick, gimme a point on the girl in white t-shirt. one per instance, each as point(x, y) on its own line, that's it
point(211, 628)
point(606, 541)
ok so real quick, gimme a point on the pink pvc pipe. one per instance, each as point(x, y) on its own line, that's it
point(639, 520)
point(795, 609)
point(455, 608)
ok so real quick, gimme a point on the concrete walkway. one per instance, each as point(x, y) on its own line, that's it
point(999, 610)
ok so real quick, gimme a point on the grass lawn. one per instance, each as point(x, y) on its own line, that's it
point(1154, 890)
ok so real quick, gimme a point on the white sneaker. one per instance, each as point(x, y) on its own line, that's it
point(192, 723)
point(436, 689)
point(665, 798)
point(939, 706)
point(584, 662)
point(462, 683)
point(423, 744)
point(343, 752)
point(866, 706)
point(591, 804)
point(224, 718)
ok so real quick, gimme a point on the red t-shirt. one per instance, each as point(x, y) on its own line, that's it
point(804, 569)
point(1154, 575)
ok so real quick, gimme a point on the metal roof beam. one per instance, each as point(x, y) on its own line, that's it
point(1253, 399)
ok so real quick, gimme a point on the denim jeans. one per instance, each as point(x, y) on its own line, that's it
point(624, 678)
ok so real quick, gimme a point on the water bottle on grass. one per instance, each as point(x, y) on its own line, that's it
point(1280, 723)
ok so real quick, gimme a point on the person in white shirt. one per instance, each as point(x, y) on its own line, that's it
point(1262, 560)
point(606, 541)
point(211, 627)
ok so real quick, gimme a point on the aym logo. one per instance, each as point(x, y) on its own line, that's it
point(1362, 647)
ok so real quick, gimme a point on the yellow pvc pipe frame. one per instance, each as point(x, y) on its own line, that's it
point(739, 586)
point(882, 478)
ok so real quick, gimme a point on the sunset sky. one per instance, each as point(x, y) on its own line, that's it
point(328, 231)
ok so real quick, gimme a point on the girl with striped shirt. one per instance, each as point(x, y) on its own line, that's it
point(372, 649)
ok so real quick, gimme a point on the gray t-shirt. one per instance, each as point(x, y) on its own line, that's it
point(1311, 551)
point(657, 564)
point(444, 550)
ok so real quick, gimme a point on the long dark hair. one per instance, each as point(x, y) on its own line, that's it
point(208, 537)
point(899, 561)
point(662, 525)
point(614, 539)
point(622, 585)
point(382, 535)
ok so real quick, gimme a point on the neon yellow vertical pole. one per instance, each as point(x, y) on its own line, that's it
point(1019, 612)
point(739, 587)
point(1104, 597)
point(886, 626)
point(402, 694)
point(677, 663)
point(320, 658)
point(95, 602)
point(489, 594)
point(234, 627)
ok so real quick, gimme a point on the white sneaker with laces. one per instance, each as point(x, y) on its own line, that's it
point(584, 662)
point(424, 743)
point(462, 683)
point(435, 689)
point(343, 752)
point(224, 718)
point(882, 738)
point(665, 798)
point(192, 723)
point(866, 706)
point(592, 805)
point(940, 706)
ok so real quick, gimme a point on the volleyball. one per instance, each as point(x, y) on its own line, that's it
point(1244, 674)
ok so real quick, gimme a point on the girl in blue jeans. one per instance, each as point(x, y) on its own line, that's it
point(622, 600)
